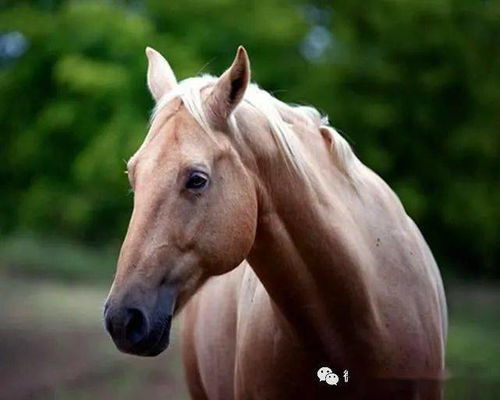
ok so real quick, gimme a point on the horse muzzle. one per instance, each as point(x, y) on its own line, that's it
point(140, 329)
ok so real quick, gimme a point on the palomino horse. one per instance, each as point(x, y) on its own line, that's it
point(339, 276)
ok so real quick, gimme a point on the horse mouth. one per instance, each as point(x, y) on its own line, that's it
point(155, 343)
point(163, 339)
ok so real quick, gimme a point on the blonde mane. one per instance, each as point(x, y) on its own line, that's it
point(190, 92)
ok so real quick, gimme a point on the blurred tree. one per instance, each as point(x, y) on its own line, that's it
point(414, 84)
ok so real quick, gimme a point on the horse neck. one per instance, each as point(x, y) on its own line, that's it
point(308, 251)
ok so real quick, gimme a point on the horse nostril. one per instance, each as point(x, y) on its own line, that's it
point(136, 326)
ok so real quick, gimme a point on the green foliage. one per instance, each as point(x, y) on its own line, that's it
point(414, 84)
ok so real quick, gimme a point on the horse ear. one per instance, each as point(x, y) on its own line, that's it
point(327, 135)
point(230, 88)
point(161, 78)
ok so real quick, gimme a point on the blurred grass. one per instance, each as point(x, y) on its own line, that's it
point(473, 352)
point(71, 300)
point(50, 257)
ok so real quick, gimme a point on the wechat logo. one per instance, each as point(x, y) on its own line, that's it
point(326, 375)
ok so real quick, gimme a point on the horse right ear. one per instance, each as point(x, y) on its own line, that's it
point(229, 89)
point(161, 78)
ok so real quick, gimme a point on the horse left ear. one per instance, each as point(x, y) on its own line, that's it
point(230, 88)
point(161, 78)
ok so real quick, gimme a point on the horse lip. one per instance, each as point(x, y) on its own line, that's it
point(159, 338)
point(163, 340)
point(154, 344)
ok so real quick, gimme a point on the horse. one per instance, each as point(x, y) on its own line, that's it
point(299, 273)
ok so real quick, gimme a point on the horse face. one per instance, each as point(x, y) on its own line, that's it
point(195, 215)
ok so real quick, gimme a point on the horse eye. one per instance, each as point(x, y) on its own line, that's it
point(197, 181)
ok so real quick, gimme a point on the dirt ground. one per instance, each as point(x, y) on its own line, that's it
point(53, 346)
